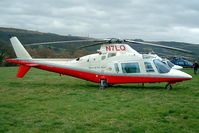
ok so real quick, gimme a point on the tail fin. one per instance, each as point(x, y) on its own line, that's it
point(22, 71)
point(20, 51)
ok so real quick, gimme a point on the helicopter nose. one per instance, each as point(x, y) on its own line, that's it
point(180, 74)
point(185, 75)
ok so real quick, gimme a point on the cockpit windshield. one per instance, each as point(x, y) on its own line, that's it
point(161, 67)
point(170, 64)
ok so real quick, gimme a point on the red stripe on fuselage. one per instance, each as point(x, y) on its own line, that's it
point(112, 79)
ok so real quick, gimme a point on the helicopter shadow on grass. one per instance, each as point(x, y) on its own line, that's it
point(127, 87)
point(136, 86)
point(139, 86)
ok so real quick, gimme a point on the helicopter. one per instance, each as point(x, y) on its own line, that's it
point(114, 63)
point(181, 62)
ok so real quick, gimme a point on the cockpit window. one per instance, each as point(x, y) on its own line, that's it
point(130, 67)
point(148, 67)
point(170, 64)
point(161, 67)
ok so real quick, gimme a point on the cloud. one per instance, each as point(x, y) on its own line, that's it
point(175, 20)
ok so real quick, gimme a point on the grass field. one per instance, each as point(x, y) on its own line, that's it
point(45, 102)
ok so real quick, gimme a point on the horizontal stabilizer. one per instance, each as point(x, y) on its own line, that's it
point(22, 71)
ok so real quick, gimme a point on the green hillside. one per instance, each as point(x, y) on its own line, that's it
point(41, 51)
point(28, 36)
point(69, 50)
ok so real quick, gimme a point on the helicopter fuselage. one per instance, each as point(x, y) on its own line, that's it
point(115, 69)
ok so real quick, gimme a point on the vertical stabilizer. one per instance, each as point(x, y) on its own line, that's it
point(20, 51)
point(22, 71)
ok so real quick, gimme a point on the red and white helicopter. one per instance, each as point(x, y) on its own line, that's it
point(114, 63)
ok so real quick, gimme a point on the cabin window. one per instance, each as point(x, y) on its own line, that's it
point(148, 67)
point(116, 67)
point(161, 67)
point(130, 67)
point(111, 55)
point(103, 57)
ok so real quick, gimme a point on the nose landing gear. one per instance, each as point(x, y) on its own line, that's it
point(168, 86)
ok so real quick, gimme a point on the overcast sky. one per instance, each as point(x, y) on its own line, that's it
point(166, 20)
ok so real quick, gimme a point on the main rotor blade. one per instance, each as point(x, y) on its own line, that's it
point(91, 45)
point(72, 41)
point(161, 46)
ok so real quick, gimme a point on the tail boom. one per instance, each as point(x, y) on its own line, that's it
point(23, 68)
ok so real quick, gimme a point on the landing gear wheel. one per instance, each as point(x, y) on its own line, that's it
point(168, 87)
point(103, 84)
